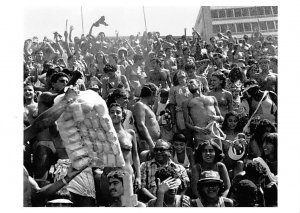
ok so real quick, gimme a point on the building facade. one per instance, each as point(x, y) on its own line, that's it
point(240, 20)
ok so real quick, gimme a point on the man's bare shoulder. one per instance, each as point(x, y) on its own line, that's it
point(138, 105)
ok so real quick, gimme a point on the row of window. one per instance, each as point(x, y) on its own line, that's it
point(246, 27)
point(244, 12)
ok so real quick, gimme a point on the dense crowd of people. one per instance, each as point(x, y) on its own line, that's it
point(196, 120)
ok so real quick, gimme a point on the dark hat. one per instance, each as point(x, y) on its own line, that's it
point(210, 176)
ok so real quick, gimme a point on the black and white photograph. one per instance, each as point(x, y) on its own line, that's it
point(153, 105)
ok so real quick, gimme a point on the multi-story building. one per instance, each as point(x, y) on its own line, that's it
point(240, 20)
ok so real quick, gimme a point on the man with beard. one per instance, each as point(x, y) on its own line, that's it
point(201, 110)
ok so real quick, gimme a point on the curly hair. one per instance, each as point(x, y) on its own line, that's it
point(236, 74)
point(254, 170)
point(225, 123)
point(109, 68)
point(148, 90)
point(165, 172)
point(218, 156)
point(221, 77)
point(117, 174)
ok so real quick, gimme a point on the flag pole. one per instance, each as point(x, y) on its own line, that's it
point(82, 21)
point(145, 18)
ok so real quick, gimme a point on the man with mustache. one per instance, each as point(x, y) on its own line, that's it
point(116, 188)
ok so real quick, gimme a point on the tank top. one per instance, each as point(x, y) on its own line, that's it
point(186, 162)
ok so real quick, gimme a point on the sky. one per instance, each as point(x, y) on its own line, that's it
point(43, 20)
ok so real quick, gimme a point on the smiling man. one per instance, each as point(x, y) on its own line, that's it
point(162, 158)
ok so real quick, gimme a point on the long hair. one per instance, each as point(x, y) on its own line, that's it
point(218, 151)
point(225, 123)
point(272, 139)
point(260, 130)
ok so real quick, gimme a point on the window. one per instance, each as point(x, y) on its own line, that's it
point(276, 23)
point(231, 27)
point(271, 25)
point(245, 12)
point(240, 27)
point(253, 11)
point(214, 14)
point(216, 29)
point(261, 11)
point(223, 28)
point(229, 13)
point(238, 12)
point(247, 27)
point(254, 26)
point(268, 10)
point(222, 14)
point(275, 10)
point(263, 25)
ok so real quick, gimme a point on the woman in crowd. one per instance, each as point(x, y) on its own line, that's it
point(270, 151)
point(127, 139)
point(224, 98)
point(256, 142)
point(182, 154)
point(208, 156)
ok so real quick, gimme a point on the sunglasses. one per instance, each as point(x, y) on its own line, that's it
point(160, 150)
point(63, 81)
point(211, 184)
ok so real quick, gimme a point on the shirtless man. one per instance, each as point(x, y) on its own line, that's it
point(266, 79)
point(145, 119)
point(159, 76)
point(202, 110)
point(190, 69)
point(44, 150)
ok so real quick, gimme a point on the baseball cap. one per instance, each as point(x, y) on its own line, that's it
point(210, 176)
